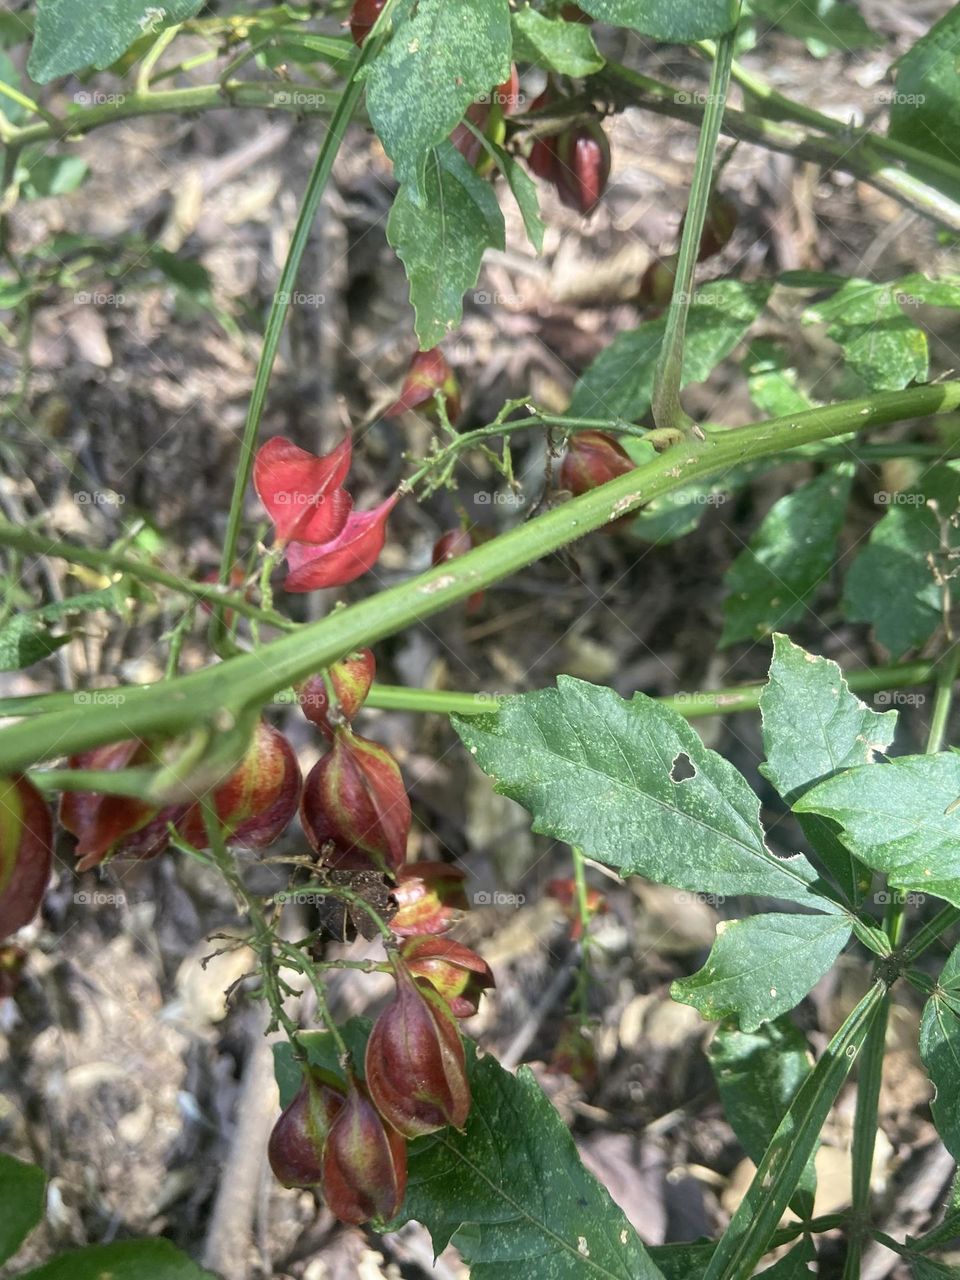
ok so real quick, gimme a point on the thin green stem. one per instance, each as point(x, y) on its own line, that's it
point(865, 1135)
point(248, 681)
point(668, 413)
point(153, 56)
point(583, 918)
point(943, 698)
point(930, 933)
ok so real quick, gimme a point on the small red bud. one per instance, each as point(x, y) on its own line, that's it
point(583, 166)
point(107, 825)
point(453, 970)
point(430, 899)
point(362, 17)
point(507, 96)
point(429, 373)
point(26, 852)
point(542, 159)
point(295, 1149)
point(257, 800)
point(354, 796)
point(415, 1063)
point(364, 1162)
point(351, 678)
point(592, 458)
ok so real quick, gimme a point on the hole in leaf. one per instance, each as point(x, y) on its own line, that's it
point(683, 768)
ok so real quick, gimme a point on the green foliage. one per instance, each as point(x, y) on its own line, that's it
point(773, 579)
point(940, 1051)
point(567, 48)
point(69, 38)
point(824, 24)
point(27, 637)
point(670, 20)
point(125, 1260)
point(925, 111)
point(21, 1194)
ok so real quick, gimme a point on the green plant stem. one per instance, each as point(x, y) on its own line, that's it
point(929, 933)
point(33, 543)
point(943, 698)
point(668, 413)
point(583, 917)
point(250, 680)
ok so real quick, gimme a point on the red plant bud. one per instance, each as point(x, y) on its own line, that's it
point(657, 281)
point(415, 1063)
point(542, 159)
point(592, 458)
point(583, 166)
point(364, 1163)
point(354, 796)
point(12, 962)
point(257, 800)
point(453, 543)
point(430, 899)
point(351, 553)
point(26, 852)
point(301, 491)
point(453, 970)
point(362, 17)
point(295, 1149)
point(107, 825)
point(351, 678)
point(429, 373)
point(564, 892)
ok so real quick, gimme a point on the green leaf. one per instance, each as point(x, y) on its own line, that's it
point(891, 584)
point(813, 726)
point(771, 380)
point(682, 1261)
point(9, 75)
point(42, 175)
point(940, 1051)
point(69, 38)
point(21, 1194)
point(762, 966)
point(773, 578)
point(678, 513)
point(825, 23)
point(758, 1074)
point(925, 109)
point(879, 342)
point(564, 47)
point(24, 641)
point(597, 772)
point(524, 191)
point(928, 1269)
point(321, 1052)
point(795, 1265)
point(126, 1260)
point(668, 20)
point(512, 1193)
point(436, 64)
point(619, 383)
point(893, 817)
point(441, 244)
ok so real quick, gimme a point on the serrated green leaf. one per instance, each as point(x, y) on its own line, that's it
point(925, 110)
point(596, 772)
point(68, 40)
point(512, 1193)
point(449, 53)
point(879, 341)
point(763, 966)
point(564, 47)
point(828, 23)
point(940, 1051)
point(442, 243)
point(524, 191)
point(619, 383)
point(893, 817)
point(21, 1194)
point(772, 579)
point(813, 726)
point(758, 1074)
point(125, 1260)
point(668, 20)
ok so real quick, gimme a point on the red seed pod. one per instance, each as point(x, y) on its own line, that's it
point(257, 800)
point(353, 552)
point(583, 166)
point(12, 962)
point(295, 1149)
point(302, 491)
point(415, 1064)
point(542, 159)
point(453, 543)
point(429, 373)
point(657, 281)
point(453, 970)
point(592, 458)
point(362, 17)
point(351, 678)
point(354, 796)
point(430, 899)
point(107, 825)
point(364, 1162)
point(26, 852)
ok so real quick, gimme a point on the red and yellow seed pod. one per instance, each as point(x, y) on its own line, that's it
point(351, 679)
point(453, 970)
point(106, 825)
point(592, 458)
point(295, 1149)
point(429, 373)
point(364, 1162)
point(26, 852)
point(430, 899)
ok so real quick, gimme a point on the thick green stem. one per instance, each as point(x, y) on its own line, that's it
point(250, 680)
point(668, 413)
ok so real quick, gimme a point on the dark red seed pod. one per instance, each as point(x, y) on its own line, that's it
point(542, 159)
point(430, 899)
point(453, 970)
point(415, 1064)
point(354, 796)
point(428, 374)
point(351, 679)
point(465, 140)
point(657, 282)
point(108, 825)
point(719, 225)
point(507, 96)
point(295, 1149)
point(364, 1162)
point(362, 17)
point(592, 458)
point(26, 852)
point(573, 13)
point(583, 166)
point(453, 543)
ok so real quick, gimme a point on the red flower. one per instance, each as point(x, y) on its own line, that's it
point(353, 552)
point(364, 1162)
point(430, 897)
point(453, 970)
point(301, 491)
point(26, 852)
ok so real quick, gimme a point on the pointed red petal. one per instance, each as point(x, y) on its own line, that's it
point(301, 491)
point(346, 557)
